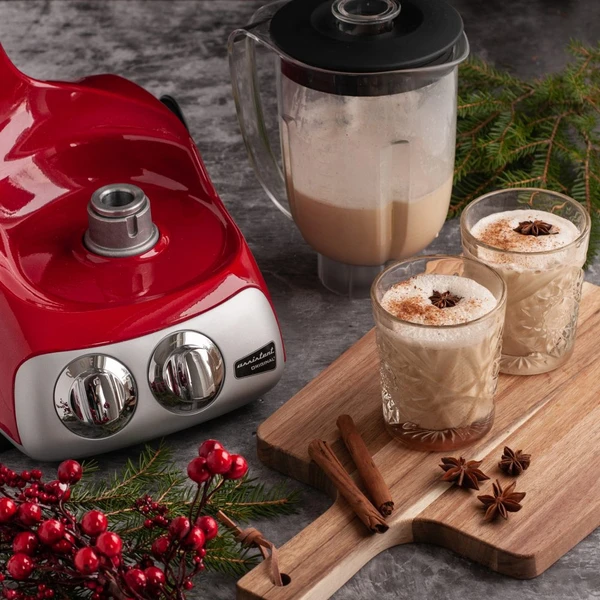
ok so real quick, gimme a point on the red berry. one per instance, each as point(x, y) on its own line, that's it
point(208, 446)
point(194, 540)
point(197, 470)
point(136, 580)
point(36, 474)
point(30, 513)
point(239, 467)
point(8, 509)
point(87, 561)
point(179, 527)
point(69, 471)
point(51, 531)
point(109, 543)
point(19, 566)
point(25, 542)
point(58, 489)
point(209, 526)
point(62, 547)
point(218, 461)
point(161, 546)
point(155, 577)
point(188, 585)
point(94, 523)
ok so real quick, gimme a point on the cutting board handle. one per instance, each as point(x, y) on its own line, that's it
point(322, 557)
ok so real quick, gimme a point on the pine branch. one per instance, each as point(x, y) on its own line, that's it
point(245, 501)
point(540, 133)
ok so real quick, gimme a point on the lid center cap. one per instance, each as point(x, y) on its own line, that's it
point(365, 16)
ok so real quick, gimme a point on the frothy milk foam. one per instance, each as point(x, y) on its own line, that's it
point(498, 230)
point(402, 299)
point(439, 378)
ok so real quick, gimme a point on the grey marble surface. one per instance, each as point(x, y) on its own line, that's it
point(178, 47)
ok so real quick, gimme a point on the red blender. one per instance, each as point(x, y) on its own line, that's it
point(130, 304)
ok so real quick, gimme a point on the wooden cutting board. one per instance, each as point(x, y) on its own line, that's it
point(554, 416)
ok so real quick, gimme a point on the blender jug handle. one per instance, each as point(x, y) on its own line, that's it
point(246, 94)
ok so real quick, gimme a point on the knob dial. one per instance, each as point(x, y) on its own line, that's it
point(95, 396)
point(186, 372)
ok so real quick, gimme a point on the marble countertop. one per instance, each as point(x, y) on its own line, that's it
point(178, 47)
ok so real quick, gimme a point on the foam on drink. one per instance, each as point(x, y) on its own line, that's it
point(498, 230)
point(410, 300)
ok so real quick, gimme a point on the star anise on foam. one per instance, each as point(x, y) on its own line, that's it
point(465, 474)
point(502, 502)
point(444, 299)
point(514, 463)
point(536, 228)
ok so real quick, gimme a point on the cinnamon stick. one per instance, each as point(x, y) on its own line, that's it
point(324, 456)
point(376, 486)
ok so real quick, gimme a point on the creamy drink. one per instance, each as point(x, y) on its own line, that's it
point(540, 255)
point(439, 344)
point(369, 178)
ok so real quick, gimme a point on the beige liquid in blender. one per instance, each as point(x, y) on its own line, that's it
point(438, 383)
point(363, 236)
point(543, 290)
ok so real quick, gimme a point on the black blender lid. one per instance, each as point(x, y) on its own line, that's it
point(366, 36)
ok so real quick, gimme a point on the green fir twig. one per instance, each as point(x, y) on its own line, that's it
point(541, 133)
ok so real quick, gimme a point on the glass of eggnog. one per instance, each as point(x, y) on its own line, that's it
point(537, 240)
point(439, 326)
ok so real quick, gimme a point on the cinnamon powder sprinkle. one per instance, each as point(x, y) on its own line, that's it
point(414, 311)
point(500, 235)
point(503, 234)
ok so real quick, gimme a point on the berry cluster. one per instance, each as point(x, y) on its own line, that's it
point(53, 552)
point(212, 460)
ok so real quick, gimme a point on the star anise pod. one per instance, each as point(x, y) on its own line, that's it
point(444, 299)
point(514, 463)
point(502, 502)
point(465, 474)
point(536, 228)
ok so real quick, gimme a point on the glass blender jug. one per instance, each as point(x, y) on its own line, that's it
point(366, 93)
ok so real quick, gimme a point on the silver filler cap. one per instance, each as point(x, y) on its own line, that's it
point(186, 372)
point(95, 396)
point(120, 221)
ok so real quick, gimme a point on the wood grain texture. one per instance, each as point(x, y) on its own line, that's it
point(554, 416)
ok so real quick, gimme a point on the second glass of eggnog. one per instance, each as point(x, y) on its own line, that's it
point(537, 240)
point(439, 326)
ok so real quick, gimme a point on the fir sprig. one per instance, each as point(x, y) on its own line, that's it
point(246, 500)
point(541, 133)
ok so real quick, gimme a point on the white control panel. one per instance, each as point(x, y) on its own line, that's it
point(244, 330)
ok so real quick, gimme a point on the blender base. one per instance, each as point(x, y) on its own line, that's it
point(353, 281)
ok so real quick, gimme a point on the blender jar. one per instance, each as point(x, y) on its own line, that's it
point(367, 117)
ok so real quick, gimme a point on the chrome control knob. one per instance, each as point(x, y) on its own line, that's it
point(95, 396)
point(186, 372)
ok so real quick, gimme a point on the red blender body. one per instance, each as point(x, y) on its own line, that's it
point(105, 349)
